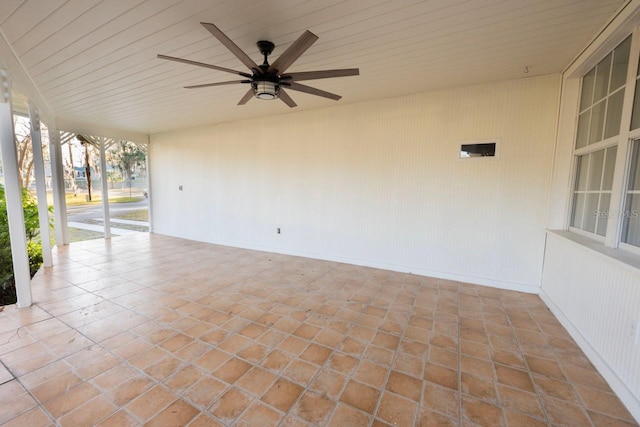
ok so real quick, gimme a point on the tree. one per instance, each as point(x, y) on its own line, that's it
point(87, 160)
point(128, 156)
point(24, 149)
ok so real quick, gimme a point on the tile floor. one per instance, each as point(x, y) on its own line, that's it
point(160, 331)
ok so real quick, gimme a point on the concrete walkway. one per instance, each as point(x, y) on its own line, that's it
point(100, 229)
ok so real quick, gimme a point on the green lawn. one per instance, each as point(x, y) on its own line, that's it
point(79, 235)
point(81, 199)
point(138, 215)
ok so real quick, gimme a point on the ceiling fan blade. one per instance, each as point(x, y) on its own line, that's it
point(202, 64)
point(325, 74)
point(218, 84)
point(294, 52)
point(247, 96)
point(284, 96)
point(239, 53)
point(313, 91)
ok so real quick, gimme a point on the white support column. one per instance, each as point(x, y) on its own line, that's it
point(149, 188)
point(12, 191)
point(41, 186)
point(105, 189)
point(57, 183)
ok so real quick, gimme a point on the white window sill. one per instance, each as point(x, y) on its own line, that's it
point(627, 258)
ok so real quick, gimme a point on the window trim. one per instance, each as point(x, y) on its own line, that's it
point(623, 140)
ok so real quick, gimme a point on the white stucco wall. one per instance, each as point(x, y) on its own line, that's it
point(375, 183)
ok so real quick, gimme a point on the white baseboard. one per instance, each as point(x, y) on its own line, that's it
point(616, 384)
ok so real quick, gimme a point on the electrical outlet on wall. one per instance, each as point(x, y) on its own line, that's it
point(637, 333)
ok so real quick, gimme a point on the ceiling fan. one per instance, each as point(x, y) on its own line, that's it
point(269, 80)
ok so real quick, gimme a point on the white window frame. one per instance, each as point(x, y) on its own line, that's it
point(634, 136)
point(623, 141)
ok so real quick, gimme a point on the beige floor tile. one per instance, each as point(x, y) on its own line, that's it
point(481, 413)
point(440, 399)
point(229, 407)
point(35, 417)
point(256, 381)
point(343, 363)
point(371, 374)
point(162, 330)
point(314, 408)
point(119, 419)
point(232, 370)
point(603, 402)
point(282, 394)
point(300, 371)
point(514, 378)
point(405, 385)
point(519, 400)
point(561, 412)
point(89, 413)
point(204, 392)
point(15, 400)
point(276, 361)
point(360, 396)
point(212, 359)
point(396, 410)
point(605, 420)
point(129, 390)
point(204, 420)
point(259, 414)
point(347, 416)
point(150, 403)
point(72, 399)
point(427, 418)
point(478, 387)
point(49, 389)
point(514, 418)
point(184, 378)
point(179, 413)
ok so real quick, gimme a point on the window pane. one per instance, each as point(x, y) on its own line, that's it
point(603, 213)
point(586, 98)
point(595, 170)
point(614, 112)
point(609, 167)
point(597, 122)
point(635, 117)
point(602, 78)
point(578, 210)
point(634, 170)
point(620, 63)
point(590, 212)
point(631, 224)
point(582, 169)
point(583, 129)
point(631, 229)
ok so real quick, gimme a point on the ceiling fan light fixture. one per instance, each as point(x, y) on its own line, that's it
point(266, 90)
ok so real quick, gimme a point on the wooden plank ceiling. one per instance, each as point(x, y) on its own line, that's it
point(95, 61)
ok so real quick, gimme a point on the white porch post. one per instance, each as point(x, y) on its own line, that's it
point(150, 210)
point(41, 186)
point(13, 196)
point(105, 189)
point(57, 183)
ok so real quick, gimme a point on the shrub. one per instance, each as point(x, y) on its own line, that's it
point(34, 246)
